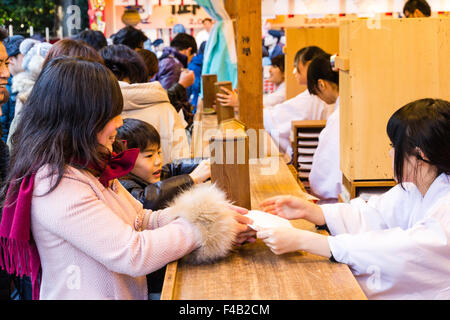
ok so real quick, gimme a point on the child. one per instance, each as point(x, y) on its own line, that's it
point(153, 184)
point(396, 244)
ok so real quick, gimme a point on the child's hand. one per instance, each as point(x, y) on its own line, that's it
point(202, 172)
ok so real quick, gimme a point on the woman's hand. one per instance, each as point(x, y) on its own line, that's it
point(229, 98)
point(244, 232)
point(284, 239)
point(202, 172)
point(290, 207)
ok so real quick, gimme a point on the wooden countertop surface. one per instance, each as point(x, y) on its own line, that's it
point(253, 271)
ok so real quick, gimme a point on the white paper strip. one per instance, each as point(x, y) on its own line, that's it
point(263, 219)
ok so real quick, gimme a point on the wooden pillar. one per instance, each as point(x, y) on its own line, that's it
point(249, 62)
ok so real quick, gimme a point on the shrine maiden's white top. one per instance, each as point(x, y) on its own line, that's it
point(397, 244)
point(325, 178)
point(278, 119)
point(276, 97)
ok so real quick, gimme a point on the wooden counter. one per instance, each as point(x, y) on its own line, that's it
point(205, 126)
point(253, 271)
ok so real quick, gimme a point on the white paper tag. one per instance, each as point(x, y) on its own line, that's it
point(263, 219)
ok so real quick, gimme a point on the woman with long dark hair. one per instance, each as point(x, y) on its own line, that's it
point(68, 223)
point(397, 244)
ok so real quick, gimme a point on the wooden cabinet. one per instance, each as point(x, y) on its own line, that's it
point(385, 64)
point(305, 134)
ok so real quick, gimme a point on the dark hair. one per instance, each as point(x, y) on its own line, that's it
point(320, 68)
point(206, 19)
point(276, 34)
point(72, 48)
point(423, 124)
point(131, 37)
point(307, 54)
point(265, 52)
point(70, 103)
point(3, 34)
point(183, 41)
point(150, 60)
point(420, 5)
point(138, 134)
point(278, 61)
point(125, 63)
point(94, 38)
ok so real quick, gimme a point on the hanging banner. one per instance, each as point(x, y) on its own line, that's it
point(124, 2)
point(96, 14)
point(271, 8)
point(165, 16)
point(302, 21)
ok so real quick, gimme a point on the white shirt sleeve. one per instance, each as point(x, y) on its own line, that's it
point(277, 97)
point(399, 256)
point(378, 213)
point(391, 257)
point(278, 119)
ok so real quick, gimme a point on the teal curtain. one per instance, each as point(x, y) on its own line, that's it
point(220, 51)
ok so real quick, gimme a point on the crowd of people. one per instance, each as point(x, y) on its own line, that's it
point(109, 111)
point(97, 183)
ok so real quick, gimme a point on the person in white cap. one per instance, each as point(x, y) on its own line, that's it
point(34, 53)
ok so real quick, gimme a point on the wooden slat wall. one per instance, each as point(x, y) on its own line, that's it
point(297, 38)
point(391, 63)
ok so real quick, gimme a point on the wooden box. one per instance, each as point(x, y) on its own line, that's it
point(230, 165)
point(385, 64)
point(224, 112)
point(209, 90)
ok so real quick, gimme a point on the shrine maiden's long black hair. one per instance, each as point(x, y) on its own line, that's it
point(423, 124)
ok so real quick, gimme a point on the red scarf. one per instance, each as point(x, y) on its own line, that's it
point(20, 254)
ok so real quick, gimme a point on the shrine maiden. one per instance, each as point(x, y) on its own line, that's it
point(397, 244)
point(305, 106)
point(325, 178)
